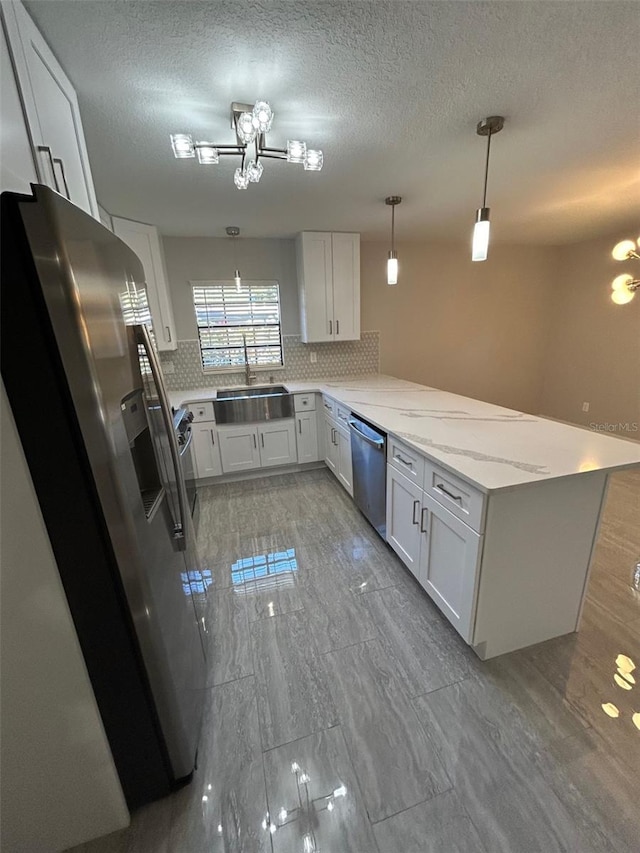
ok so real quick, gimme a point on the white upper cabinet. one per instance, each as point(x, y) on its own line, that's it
point(145, 242)
point(329, 286)
point(51, 110)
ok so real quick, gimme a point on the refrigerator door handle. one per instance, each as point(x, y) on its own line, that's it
point(144, 339)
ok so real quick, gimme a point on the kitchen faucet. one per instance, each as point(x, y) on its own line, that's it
point(248, 375)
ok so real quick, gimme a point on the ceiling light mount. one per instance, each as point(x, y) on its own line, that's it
point(251, 124)
point(488, 127)
point(392, 261)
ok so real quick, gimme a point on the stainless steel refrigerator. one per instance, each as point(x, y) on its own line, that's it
point(88, 397)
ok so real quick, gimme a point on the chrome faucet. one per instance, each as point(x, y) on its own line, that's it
point(248, 375)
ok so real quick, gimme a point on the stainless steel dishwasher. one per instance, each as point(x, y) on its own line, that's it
point(369, 457)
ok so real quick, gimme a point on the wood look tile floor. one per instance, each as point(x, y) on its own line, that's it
point(344, 711)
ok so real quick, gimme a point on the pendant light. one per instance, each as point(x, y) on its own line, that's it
point(233, 231)
point(392, 260)
point(487, 127)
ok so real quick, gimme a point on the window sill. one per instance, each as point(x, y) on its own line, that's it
point(242, 368)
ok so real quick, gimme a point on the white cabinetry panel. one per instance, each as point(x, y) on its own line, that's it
point(144, 241)
point(345, 465)
point(404, 502)
point(330, 445)
point(51, 109)
point(206, 450)
point(239, 449)
point(277, 443)
point(449, 558)
point(307, 437)
point(329, 286)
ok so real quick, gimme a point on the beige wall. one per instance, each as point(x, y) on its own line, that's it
point(593, 351)
point(474, 329)
point(213, 258)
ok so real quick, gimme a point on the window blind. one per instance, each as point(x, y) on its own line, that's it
point(226, 317)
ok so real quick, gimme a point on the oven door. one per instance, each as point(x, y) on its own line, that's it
point(187, 461)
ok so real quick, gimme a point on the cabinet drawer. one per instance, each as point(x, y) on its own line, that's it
point(329, 406)
point(304, 402)
point(455, 494)
point(405, 459)
point(342, 416)
point(201, 411)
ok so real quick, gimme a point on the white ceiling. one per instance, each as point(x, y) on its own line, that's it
point(391, 91)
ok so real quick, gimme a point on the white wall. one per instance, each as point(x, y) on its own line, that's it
point(58, 783)
point(214, 258)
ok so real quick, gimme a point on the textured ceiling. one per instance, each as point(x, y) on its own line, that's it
point(391, 91)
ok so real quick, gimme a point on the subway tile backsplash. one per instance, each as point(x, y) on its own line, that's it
point(344, 358)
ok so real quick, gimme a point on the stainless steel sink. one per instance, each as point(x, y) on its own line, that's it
point(247, 405)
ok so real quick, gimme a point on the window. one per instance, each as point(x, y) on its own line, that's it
point(227, 317)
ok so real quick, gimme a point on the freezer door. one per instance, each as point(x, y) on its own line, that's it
point(85, 273)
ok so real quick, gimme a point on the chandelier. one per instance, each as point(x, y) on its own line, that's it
point(251, 125)
point(623, 287)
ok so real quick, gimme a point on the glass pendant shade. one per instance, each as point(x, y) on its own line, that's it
point(254, 171)
point(621, 282)
point(313, 160)
point(241, 178)
point(296, 151)
point(247, 127)
point(207, 154)
point(623, 249)
point(392, 268)
point(480, 247)
point(182, 145)
point(621, 297)
point(238, 280)
point(263, 115)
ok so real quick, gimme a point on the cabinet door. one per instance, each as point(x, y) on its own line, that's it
point(330, 445)
point(51, 108)
point(345, 466)
point(315, 282)
point(144, 241)
point(307, 437)
point(404, 501)
point(277, 443)
point(450, 556)
point(207, 452)
point(239, 449)
point(346, 286)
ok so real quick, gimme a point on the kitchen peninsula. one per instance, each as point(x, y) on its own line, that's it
point(495, 512)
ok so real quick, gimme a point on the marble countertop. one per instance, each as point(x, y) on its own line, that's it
point(492, 447)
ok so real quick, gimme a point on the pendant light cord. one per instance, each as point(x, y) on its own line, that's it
point(393, 227)
point(486, 170)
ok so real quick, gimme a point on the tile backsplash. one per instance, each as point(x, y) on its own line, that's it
point(343, 358)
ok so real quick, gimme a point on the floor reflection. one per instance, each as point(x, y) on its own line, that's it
point(263, 572)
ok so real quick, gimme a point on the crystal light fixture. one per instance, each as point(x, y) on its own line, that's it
point(624, 286)
point(392, 260)
point(251, 124)
point(182, 144)
point(480, 248)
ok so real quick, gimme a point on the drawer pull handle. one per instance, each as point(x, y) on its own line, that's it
point(416, 504)
point(453, 497)
point(401, 459)
point(422, 516)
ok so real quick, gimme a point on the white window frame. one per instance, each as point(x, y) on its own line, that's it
point(235, 368)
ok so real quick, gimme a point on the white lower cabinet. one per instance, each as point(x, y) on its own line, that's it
point(307, 437)
point(403, 518)
point(449, 560)
point(206, 450)
point(277, 443)
point(345, 465)
point(440, 550)
point(257, 445)
point(330, 445)
point(239, 449)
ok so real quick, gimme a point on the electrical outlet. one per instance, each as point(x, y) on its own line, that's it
point(313, 357)
point(585, 407)
point(168, 367)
